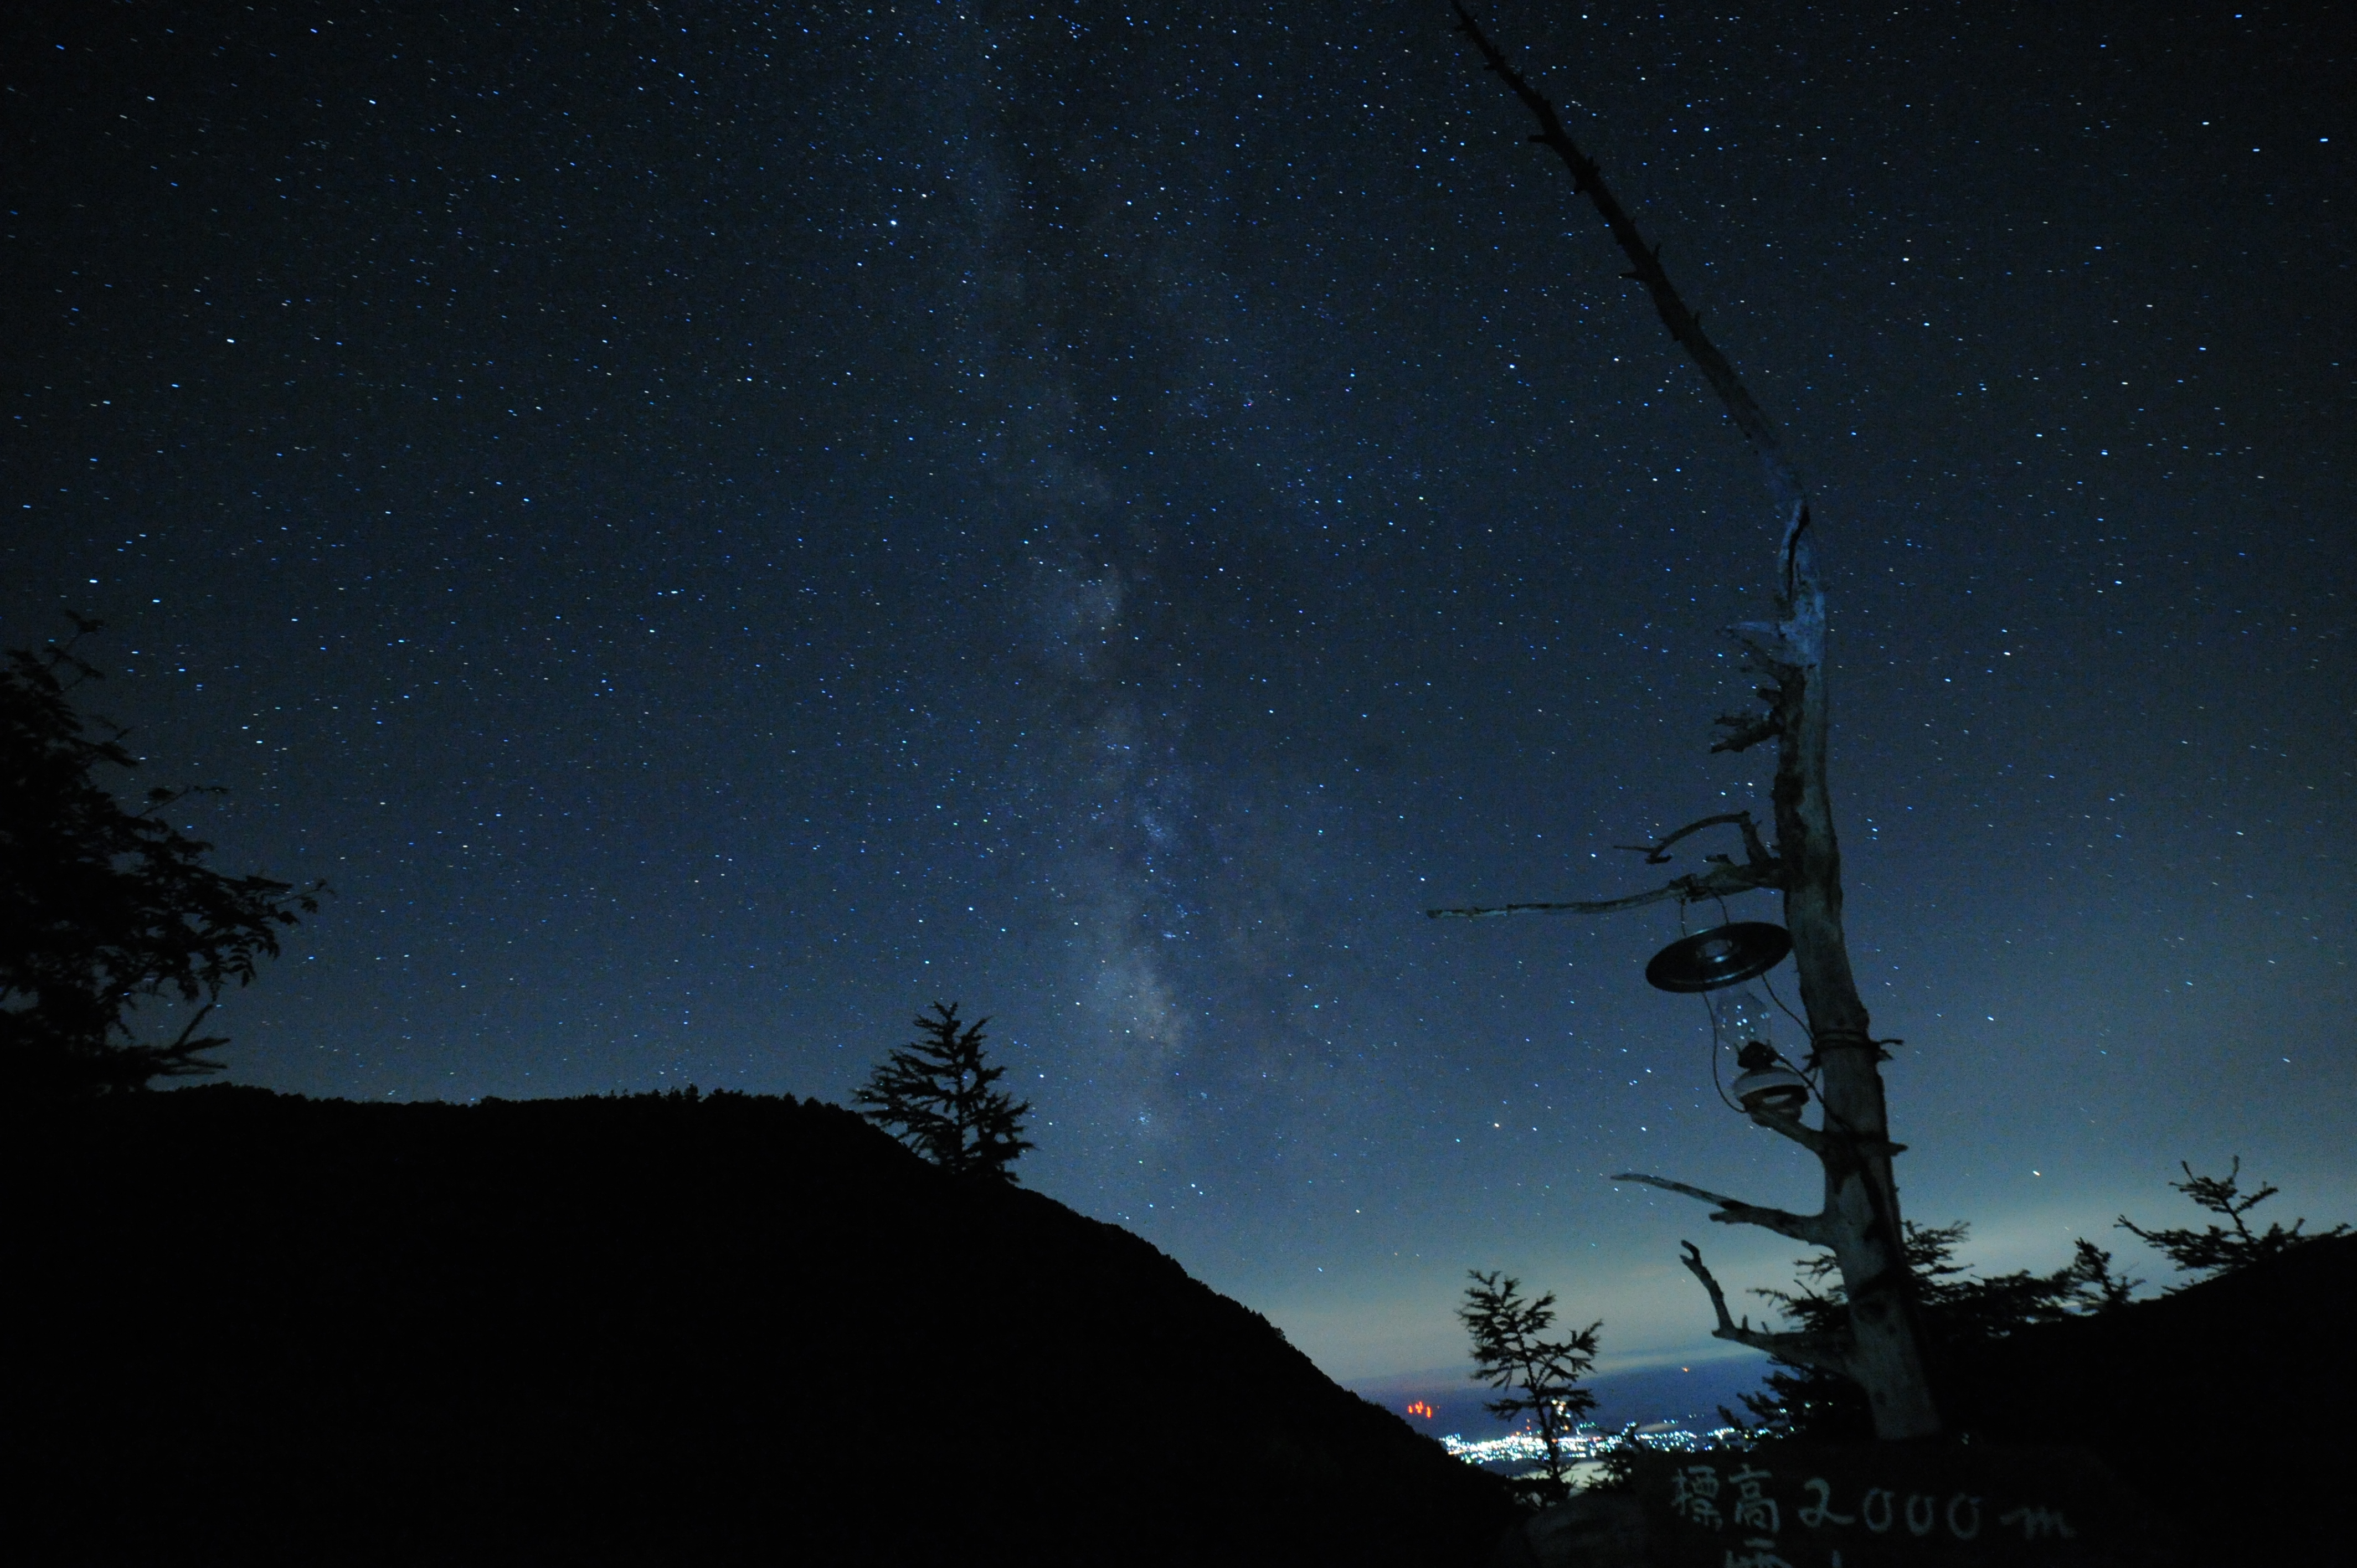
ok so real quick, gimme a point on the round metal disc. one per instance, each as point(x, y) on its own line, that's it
point(1724, 955)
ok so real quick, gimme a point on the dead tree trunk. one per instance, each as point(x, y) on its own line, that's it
point(1882, 1351)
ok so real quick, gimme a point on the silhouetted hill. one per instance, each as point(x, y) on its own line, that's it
point(655, 1329)
point(2230, 1405)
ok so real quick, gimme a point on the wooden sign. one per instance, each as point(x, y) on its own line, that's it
point(1892, 1505)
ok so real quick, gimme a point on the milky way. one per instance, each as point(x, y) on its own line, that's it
point(715, 527)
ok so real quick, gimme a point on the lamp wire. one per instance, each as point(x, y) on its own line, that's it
point(1808, 1075)
point(1810, 1071)
point(1712, 1014)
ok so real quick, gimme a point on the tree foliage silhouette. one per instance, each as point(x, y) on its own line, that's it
point(2216, 1249)
point(1541, 1376)
point(934, 1094)
point(102, 907)
point(1957, 1308)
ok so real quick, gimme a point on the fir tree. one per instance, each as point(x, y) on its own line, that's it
point(934, 1094)
point(1539, 1376)
point(1956, 1307)
point(2216, 1249)
point(102, 907)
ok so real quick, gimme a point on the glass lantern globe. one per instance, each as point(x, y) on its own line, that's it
point(1741, 1015)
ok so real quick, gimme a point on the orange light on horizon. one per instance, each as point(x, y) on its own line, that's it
point(1418, 1407)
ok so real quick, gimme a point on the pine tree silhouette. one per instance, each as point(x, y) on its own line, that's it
point(934, 1094)
point(102, 907)
point(1958, 1308)
point(1538, 1376)
point(2216, 1249)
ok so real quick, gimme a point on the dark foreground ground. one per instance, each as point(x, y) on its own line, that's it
point(256, 1329)
point(2231, 1406)
point(263, 1329)
point(2208, 1429)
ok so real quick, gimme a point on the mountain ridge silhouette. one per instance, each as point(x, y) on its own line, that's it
point(692, 1328)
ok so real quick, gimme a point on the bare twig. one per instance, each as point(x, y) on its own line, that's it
point(1659, 854)
point(1723, 880)
point(1810, 1228)
point(1594, 907)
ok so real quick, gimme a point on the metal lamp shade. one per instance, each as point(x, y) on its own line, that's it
point(1724, 955)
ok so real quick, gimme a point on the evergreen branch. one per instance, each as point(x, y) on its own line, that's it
point(935, 1096)
point(2216, 1249)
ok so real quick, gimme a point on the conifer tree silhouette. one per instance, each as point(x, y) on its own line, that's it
point(1959, 1307)
point(2216, 1249)
point(1537, 1375)
point(103, 908)
point(934, 1094)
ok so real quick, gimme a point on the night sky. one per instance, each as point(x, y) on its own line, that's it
point(714, 527)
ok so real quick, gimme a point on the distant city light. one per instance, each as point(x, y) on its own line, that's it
point(1587, 1446)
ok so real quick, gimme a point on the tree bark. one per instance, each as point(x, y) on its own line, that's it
point(1860, 1220)
point(1861, 1200)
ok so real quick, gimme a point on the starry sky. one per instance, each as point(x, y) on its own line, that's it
point(715, 526)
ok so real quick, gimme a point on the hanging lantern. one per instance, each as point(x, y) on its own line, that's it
point(1724, 955)
point(1768, 1087)
point(1716, 963)
point(1739, 1016)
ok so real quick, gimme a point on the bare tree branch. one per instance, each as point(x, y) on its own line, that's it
point(1596, 907)
point(1645, 261)
point(1746, 731)
point(1723, 880)
point(1822, 1144)
point(1803, 1349)
point(1766, 641)
point(1666, 1184)
point(1753, 849)
point(1693, 1260)
point(1809, 1228)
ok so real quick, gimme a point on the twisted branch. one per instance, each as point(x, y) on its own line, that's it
point(1830, 1352)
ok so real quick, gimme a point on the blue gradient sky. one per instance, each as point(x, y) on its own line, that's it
point(716, 527)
